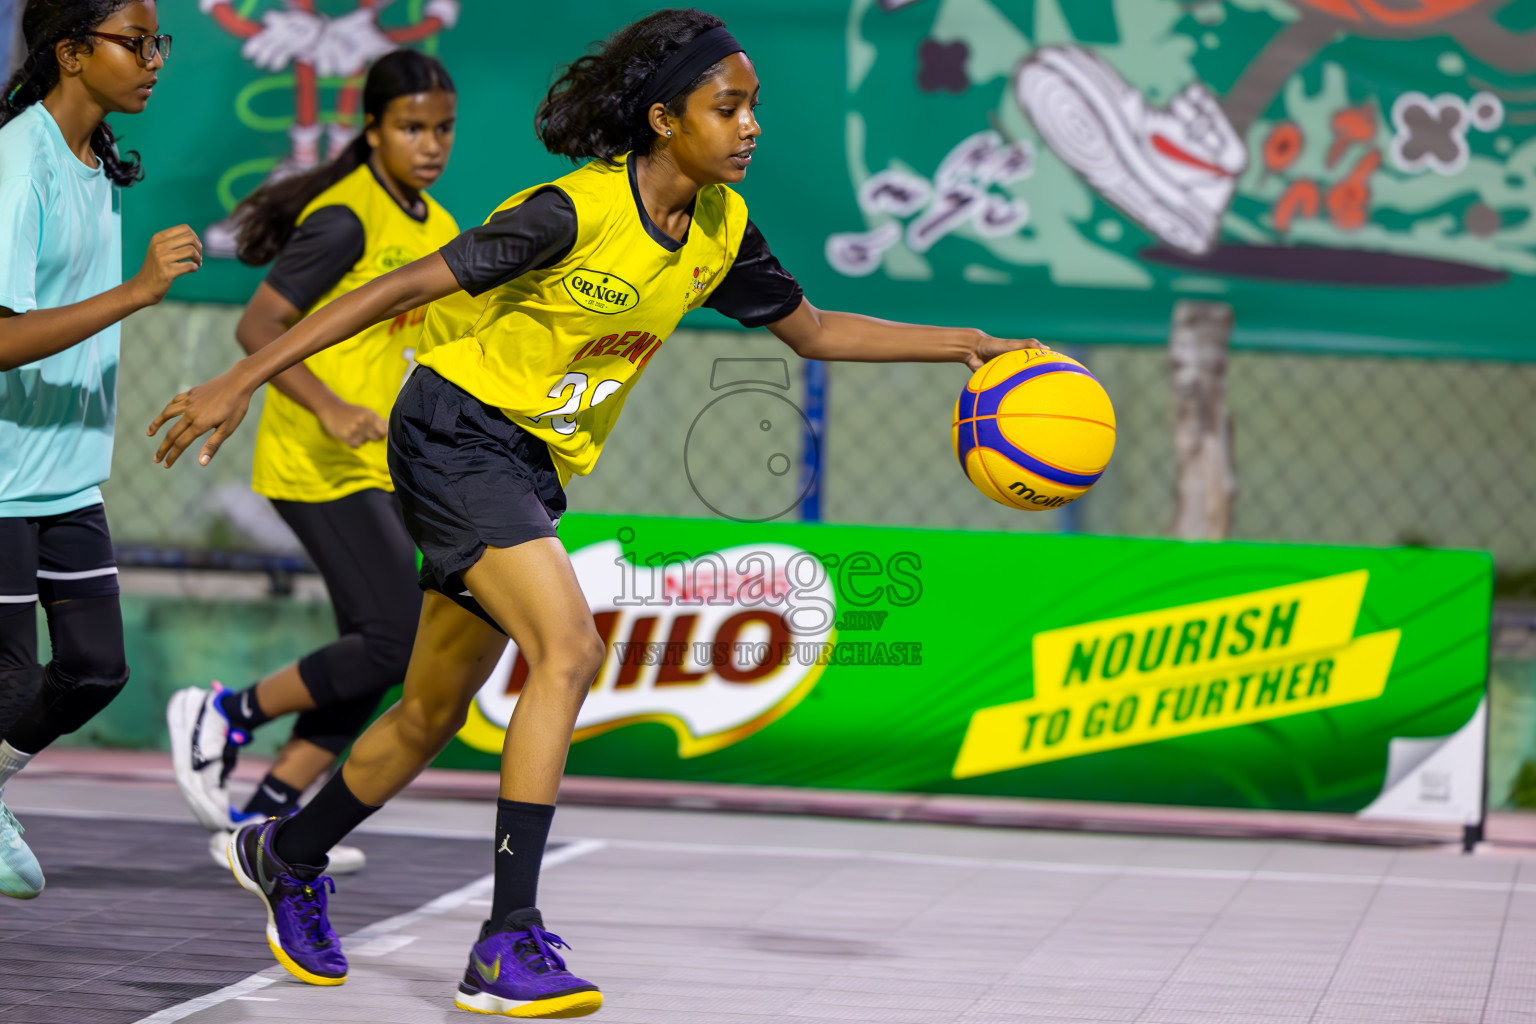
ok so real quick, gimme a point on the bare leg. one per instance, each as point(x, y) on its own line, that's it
point(284, 691)
point(300, 763)
point(454, 653)
point(532, 591)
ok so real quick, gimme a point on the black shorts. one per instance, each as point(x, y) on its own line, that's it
point(467, 479)
point(56, 558)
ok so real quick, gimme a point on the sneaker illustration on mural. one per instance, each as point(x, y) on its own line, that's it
point(1173, 170)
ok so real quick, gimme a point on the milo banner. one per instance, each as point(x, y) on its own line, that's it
point(1351, 175)
point(1084, 668)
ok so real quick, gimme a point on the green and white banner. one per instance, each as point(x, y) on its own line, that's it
point(1084, 668)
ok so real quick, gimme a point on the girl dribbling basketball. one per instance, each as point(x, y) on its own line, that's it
point(560, 301)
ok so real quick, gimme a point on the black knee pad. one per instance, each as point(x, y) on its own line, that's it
point(390, 653)
point(18, 636)
point(80, 698)
point(64, 705)
point(19, 691)
point(334, 726)
point(88, 641)
point(88, 670)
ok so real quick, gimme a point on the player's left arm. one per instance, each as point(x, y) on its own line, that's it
point(853, 338)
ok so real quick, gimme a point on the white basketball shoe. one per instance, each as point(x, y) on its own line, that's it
point(344, 860)
point(202, 753)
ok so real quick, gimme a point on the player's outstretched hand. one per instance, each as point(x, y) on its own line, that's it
point(353, 425)
point(218, 405)
point(990, 348)
point(172, 252)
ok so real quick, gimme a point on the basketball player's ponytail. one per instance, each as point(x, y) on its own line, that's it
point(44, 25)
point(265, 219)
point(596, 107)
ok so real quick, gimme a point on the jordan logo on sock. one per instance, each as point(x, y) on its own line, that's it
point(504, 848)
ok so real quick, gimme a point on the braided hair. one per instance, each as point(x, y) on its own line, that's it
point(44, 25)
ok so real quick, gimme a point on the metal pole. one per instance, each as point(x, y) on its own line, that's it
point(813, 446)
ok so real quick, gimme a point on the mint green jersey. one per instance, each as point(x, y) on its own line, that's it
point(61, 242)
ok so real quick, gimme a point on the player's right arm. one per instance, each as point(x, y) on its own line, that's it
point(221, 404)
point(267, 317)
point(32, 334)
point(532, 235)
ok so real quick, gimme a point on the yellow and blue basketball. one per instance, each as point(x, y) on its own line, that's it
point(1033, 429)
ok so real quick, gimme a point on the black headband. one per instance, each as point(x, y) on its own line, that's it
point(703, 51)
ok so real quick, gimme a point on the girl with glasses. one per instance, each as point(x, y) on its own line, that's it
point(62, 296)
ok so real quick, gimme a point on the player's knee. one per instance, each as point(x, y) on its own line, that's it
point(572, 663)
point(80, 698)
point(389, 652)
point(106, 674)
point(425, 725)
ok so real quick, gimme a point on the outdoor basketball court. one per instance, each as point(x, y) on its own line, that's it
point(741, 919)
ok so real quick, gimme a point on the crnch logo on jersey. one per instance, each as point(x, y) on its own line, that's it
point(600, 292)
point(717, 647)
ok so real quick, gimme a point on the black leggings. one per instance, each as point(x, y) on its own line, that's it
point(368, 562)
point(66, 562)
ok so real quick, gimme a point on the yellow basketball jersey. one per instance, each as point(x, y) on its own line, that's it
point(558, 350)
point(296, 460)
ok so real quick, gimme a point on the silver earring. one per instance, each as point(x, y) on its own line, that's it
point(669, 133)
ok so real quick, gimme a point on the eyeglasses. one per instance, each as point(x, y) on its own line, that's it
point(145, 46)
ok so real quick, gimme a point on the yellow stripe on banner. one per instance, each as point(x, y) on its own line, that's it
point(1244, 629)
point(1076, 722)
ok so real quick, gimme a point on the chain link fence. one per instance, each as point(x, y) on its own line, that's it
point(1334, 449)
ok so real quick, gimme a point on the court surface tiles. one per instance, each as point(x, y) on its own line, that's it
point(736, 919)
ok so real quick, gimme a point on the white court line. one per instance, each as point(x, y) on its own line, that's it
point(238, 990)
point(935, 860)
point(1064, 868)
point(384, 945)
point(441, 905)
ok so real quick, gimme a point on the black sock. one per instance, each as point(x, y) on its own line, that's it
point(521, 832)
point(305, 839)
point(274, 798)
point(243, 710)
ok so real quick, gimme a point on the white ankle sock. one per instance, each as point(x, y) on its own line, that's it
point(11, 761)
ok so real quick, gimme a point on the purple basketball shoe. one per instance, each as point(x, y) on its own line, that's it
point(297, 930)
point(514, 971)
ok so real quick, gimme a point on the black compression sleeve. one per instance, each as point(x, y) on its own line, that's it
point(318, 255)
point(533, 235)
point(757, 290)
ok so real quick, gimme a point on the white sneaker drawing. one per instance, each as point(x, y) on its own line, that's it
point(1173, 170)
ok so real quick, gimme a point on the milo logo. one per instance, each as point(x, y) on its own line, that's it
point(716, 647)
point(599, 292)
point(393, 258)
